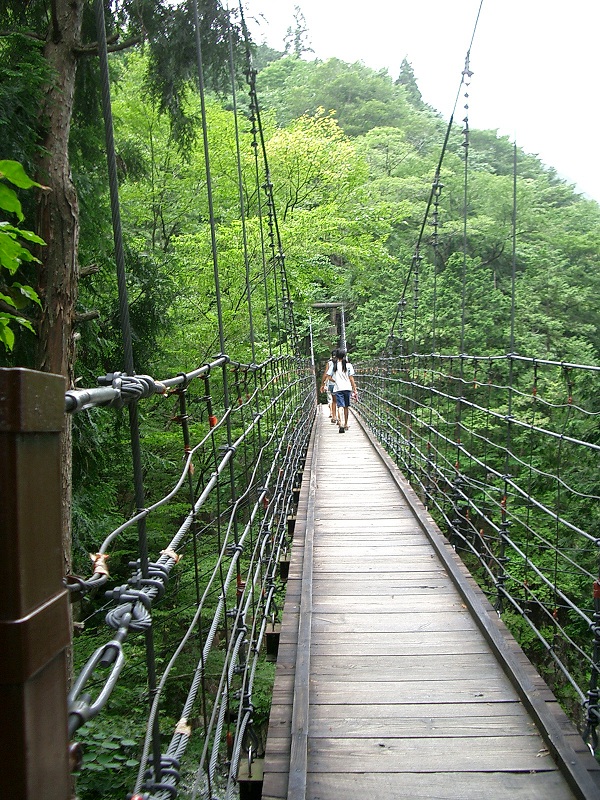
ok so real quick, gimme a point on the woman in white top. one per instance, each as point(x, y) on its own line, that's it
point(341, 373)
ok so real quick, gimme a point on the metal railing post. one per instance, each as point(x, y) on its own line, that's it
point(34, 612)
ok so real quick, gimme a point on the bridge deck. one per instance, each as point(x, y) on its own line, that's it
point(395, 688)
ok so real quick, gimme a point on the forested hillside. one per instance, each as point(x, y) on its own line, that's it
point(352, 157)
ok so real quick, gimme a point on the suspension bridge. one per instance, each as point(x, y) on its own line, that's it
point(382, 569)
point(395, 675)
point(394, 672)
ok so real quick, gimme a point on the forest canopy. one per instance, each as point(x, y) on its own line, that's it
point(352, 157)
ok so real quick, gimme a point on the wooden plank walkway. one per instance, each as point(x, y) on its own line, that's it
point(403, 683)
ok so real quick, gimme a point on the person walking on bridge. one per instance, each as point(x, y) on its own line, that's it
point(327, 385)
point(341, 372)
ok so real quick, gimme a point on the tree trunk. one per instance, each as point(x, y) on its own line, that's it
point(58, 223)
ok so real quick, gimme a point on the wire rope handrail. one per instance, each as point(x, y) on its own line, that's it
point(519, 510)
point(273, 442)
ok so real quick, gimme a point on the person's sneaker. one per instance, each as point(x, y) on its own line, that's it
point(342, 429)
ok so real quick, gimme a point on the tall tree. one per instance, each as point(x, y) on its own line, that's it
point(67, 30)
point(407, 79)
point(296, 40)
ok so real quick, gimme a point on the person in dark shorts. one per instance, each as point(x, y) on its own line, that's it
point(341, 372)
point(327, 385)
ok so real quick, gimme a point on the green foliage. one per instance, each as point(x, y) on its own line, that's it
point(407, 79)
point(359, 97)
point(23, 73)
point(109, 763)
point(14, 295)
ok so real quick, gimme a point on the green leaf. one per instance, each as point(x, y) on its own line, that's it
point(9, 201)
point(25, 324)
point(27, 291)
point(10, 253)
point(131, 762)
point(128, 743)
point(6, 319)
point(8, 299)
point(7, 337)
point(30, 236)
point(14, 172)
point(108, 745)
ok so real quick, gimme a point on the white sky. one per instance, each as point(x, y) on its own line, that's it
point(536, 63)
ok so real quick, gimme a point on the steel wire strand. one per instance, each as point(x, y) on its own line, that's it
point(145, 512)
point(548, 583)
point(502, 417)
point(542, 607)
point(465, 75)
point(275, 240)
point(514, 517)
point(465, 497)
point(531, 428)
point(594, 368)
point(254, 643)
point(547, 646)
point(551, 585)
point(263, 544)
point(175, 748)
point(210, 638)
point(138, 601)
point(524, 494)
point(534, 470)
point(505, 387)
point(238, 744)
point(267, 586)
point(541, 506)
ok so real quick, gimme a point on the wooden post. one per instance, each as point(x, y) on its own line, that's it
point(34, 612)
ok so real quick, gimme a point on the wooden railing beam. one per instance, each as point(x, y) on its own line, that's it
point(34, 610)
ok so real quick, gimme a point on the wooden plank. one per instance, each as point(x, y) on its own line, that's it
point(421, 727)
point(383, 525)
point(438, 712)
point(359, 514)
point(399, 623)
point(400, 667)
point(486, 754)
point(394, 583)
point(401, 643)
point(331, 692)
point(350, 550)
point(442, 786)
point(373, 565)
point(388, 604)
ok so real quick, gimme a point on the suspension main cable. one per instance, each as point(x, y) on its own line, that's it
point(275, 240)
point(125, 324)
point(241, 195)
point(466, 73)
